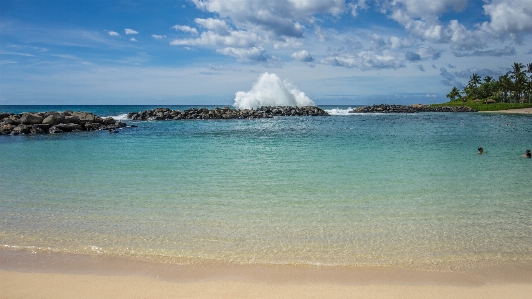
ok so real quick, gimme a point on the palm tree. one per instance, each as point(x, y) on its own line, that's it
point(518, 75)
point(486, 88)
point(455, 93)
point(471, 89)
point(529, 83)
point(506, 84)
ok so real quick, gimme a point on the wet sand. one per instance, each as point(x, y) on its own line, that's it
point(28, 275)
point(53, 285)
point(512, 111)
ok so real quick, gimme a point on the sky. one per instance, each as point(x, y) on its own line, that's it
point(352, 52)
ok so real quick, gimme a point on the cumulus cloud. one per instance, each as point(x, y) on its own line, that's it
point(280, 18)
point(242, 39)
point(397, 43)
point(366, 60)
point(508, 16)
point(256, 54)
point(112, 33)
point(130, 31)
point(133, 39)
point(159, 37)
point(420, 67)
point(218, 26)
point(302, 56)
point(186, 29)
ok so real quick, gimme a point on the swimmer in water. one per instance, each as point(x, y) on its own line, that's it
point(527, 154)
point(480, 151)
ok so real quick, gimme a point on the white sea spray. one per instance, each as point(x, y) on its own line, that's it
point(270, 90)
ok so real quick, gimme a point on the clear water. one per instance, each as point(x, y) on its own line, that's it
point(368, 189)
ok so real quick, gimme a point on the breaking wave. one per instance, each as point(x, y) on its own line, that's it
point(270, 90)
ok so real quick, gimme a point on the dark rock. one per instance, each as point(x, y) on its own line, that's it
point(31, 119)
point(109, 121)
point(70, 127)
point(225, 113)
point(54, 119)
point(6, 129)
point(384, 108)
point(22, 129)
point(72, 119)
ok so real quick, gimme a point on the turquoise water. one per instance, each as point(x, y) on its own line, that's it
point(367, 189)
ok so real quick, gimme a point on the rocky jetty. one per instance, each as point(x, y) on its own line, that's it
point(225, 113)
point(384, 108)
point(54, 122)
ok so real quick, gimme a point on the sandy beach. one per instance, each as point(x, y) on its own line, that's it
point(512, 111)
point(54, 285)
point(28, 275)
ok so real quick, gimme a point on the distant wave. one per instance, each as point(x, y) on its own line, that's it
point(338, 111)
point(270, 90)
point(120, 117)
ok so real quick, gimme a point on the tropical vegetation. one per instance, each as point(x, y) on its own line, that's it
point(511, 90)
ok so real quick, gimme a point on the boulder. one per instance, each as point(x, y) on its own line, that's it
point(4, 115)
point(22, 129)
point(6, 129)
point(70, 127)
point(72, 119)
point(31, 119)
point(109, 121)
point(54, 119)
point(36, 130)
point(87, 117)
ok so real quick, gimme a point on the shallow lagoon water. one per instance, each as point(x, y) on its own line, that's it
point(372, 189)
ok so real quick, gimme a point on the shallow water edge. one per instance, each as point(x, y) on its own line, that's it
point(503, 273)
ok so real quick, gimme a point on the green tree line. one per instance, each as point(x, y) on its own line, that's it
point(513, 87)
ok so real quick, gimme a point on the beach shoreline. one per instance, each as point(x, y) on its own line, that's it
point(511, 111)
point(30, 275)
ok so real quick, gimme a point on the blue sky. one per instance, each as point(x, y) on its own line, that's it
point(204, 51)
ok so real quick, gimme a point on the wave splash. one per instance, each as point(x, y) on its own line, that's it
point(270, 90)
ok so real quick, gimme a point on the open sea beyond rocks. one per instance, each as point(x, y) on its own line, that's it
point(342, 190)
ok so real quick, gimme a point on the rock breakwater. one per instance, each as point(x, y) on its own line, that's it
point(225, 113)
point(384, 108)
point(54, 122)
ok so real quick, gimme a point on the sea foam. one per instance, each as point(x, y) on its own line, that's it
point(270, 90)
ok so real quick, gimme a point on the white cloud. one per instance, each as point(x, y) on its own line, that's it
point(464, 39)
point(302, 56)
point(159, 37)
point(186, 29)
point(280, 18)
point(216, 25)
point(133, 39)
point(397, 43)
point(355, 7)
point(130, 31)
point(252, 54)
point(112, 33)
point(240, 39)
point(366, 60)
point(508, 16)
point(422, 8)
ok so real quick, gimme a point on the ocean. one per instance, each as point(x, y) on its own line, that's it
point(340, 190)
